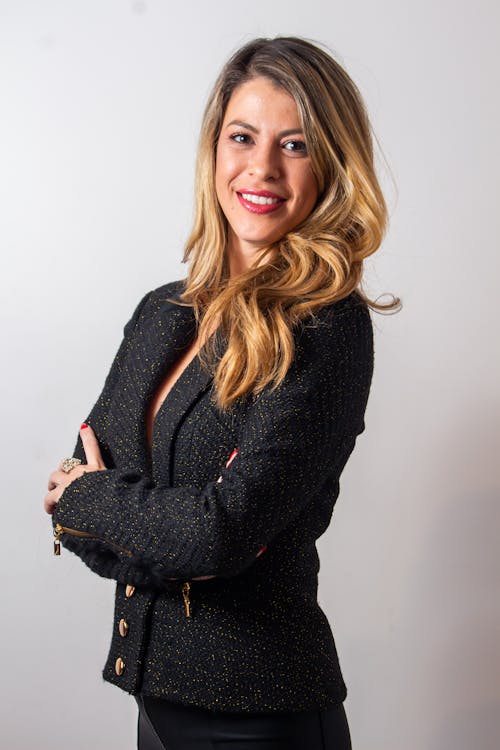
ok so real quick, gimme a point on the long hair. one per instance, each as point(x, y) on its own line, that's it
point(316, 263)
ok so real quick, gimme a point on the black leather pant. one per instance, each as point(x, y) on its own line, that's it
point(163, 725)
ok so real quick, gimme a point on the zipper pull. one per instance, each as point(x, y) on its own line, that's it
point(57, 544)
point(185, 593)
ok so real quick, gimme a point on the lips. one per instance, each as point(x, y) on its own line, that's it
point(260, 201)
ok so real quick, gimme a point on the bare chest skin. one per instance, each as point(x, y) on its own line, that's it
point(170, 379)
point(167, 384)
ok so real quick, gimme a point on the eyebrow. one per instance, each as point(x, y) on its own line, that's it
point(247, 126)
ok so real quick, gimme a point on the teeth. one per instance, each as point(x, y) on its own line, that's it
point(259, 200)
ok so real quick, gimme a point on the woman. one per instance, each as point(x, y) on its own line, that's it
point(210, 463)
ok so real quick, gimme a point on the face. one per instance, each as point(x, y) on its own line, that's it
point(263, 176)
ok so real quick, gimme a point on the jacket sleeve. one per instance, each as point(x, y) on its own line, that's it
point(293, 445)
point(100, 409)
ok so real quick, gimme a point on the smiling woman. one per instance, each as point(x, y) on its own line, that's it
point(210, 463)
point(264, 179)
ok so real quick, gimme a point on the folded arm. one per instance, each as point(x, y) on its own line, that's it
point(293, 444)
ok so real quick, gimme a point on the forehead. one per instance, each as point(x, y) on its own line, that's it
point(263, 100)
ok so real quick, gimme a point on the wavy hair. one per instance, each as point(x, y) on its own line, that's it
point(320, 260)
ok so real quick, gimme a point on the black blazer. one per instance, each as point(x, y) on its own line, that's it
point(253, 638)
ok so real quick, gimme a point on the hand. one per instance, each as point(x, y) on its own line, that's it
point(59, 479)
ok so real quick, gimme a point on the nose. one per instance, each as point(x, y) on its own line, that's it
point(264, 162)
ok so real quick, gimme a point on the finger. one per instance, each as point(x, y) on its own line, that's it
point(91, 446)
point(60, 467)
point(50, 500)
point(231, 458)
point(55, 478)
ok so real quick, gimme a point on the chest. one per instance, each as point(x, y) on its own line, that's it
point(162, 418)
point(166, 385)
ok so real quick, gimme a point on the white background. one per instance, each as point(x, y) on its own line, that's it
point(101, 102)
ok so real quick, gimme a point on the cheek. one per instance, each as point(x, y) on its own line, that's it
point(312, 188)
point(309, 193)
point(226, 167)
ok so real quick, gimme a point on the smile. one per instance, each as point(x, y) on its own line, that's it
point(260, 204)
point(260, 200)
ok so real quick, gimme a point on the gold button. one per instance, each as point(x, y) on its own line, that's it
point(129, 590)
point(119, 666)
point(123, 627)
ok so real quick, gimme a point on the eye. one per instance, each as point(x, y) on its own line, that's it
point(242, 138)
point(298, 147)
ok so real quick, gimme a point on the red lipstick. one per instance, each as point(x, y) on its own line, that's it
point(271, 203)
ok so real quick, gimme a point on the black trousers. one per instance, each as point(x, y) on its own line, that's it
point(163, 725)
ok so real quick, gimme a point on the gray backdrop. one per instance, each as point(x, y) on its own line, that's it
point(101, 102)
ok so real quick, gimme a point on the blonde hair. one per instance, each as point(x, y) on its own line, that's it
point(319, 261)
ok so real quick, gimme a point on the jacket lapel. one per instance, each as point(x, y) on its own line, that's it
point(158, 342)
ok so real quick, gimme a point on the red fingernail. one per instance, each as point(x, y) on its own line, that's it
point(233, 455)
point(83, 426)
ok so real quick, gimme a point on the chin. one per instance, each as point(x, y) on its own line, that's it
point(258, 239)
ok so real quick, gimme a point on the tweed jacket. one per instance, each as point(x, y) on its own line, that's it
point(253, 637)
